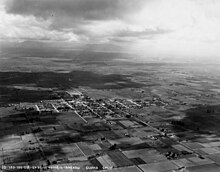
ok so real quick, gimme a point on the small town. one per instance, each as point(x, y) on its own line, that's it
point(76, 132)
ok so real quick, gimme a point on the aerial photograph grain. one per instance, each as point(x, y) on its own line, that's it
point(109, 85)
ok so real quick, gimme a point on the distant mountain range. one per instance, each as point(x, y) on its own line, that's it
point(105, 47)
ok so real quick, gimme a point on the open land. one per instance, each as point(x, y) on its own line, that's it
point(102, 111)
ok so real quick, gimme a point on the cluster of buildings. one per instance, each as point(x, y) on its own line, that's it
point(77, 132)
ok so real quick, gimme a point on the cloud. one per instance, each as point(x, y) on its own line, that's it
point(142, 33)
point(92, 20)
point(163, 26)
point(77, 11)
point(21, 28)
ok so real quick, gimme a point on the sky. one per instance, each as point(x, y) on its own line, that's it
point(176, 28)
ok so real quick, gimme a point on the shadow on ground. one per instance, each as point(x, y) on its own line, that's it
point(200, 121)
point(40, 139)
point(30, 82)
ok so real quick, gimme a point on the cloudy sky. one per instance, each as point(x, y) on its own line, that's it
point(157, 27)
